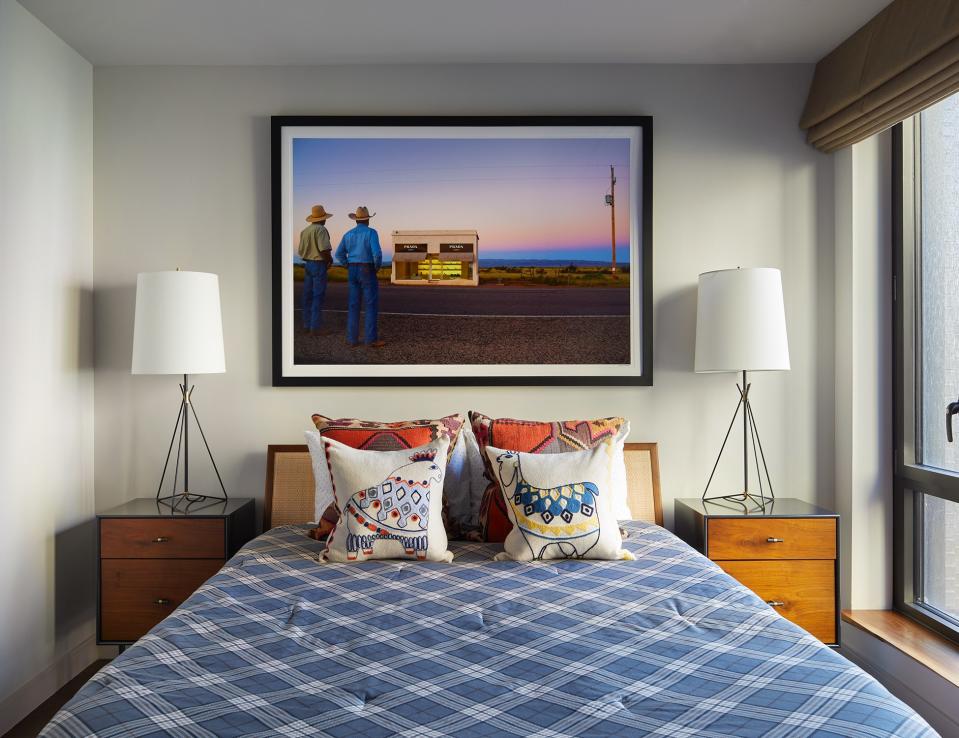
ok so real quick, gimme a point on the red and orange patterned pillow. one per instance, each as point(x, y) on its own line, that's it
point(530, 436)
point(371, 435)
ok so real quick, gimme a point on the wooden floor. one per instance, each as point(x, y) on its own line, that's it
point(33, 723)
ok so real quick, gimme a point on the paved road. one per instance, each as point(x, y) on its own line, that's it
point(454, 339)
point(492, 300)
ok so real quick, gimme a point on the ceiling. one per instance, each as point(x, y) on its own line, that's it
point(310, 32)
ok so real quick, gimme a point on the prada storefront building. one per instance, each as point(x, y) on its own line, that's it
point(435, 257)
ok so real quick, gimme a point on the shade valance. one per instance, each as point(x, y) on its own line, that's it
point(410, 256)
point(903, 60)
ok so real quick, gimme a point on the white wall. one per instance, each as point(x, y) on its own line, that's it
point(863, 359)
point(46, 438)
point(182, 176)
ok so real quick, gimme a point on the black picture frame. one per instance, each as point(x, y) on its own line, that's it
point(644, 377)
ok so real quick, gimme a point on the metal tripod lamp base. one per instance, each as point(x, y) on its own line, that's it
point(746, 498)
point(184, 500)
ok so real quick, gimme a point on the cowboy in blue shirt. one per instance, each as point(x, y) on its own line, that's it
point(359, 250)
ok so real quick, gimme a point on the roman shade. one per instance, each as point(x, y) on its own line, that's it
point(903, 60)
point(459, 256)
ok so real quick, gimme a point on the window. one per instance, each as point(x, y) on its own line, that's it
point(940, 565)
point(926, 361)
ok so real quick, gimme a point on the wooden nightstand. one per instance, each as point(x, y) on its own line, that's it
point(150, 560)
point(788, 555)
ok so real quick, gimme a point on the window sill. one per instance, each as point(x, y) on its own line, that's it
point(909, 637)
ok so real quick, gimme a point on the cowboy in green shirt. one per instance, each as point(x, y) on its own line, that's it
point(317, 255)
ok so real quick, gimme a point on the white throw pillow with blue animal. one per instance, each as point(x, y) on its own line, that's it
point(560, 505)
point(390, 503)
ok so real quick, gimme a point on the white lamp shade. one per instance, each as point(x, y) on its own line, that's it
point(177, 328)
point(741, 321)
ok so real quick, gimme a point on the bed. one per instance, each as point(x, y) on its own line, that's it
point(277, 644)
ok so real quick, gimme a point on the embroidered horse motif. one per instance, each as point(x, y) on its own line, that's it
point(396, 509)
point(563, 517)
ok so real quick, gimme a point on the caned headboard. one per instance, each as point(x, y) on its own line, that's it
point(289, 484)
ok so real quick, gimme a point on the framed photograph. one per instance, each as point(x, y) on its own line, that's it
point(462, 251)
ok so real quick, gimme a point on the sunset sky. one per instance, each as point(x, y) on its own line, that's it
point(527, 198)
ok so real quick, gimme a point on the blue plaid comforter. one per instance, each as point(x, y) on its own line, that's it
point(279, 645)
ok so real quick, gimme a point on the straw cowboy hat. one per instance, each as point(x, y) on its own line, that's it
point(362, 213)
point(319, 213)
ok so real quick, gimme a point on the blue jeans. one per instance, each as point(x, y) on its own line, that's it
point(314, 294)
point(363, 285)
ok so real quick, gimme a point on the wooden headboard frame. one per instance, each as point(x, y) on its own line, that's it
point(289, 484)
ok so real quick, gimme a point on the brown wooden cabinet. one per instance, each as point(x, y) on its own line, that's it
point(152, 559)
point(787, 554)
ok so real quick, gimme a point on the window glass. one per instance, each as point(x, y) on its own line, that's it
point(938, 272)
point(940, 558)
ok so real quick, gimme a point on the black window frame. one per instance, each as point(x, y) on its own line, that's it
point(911, 480)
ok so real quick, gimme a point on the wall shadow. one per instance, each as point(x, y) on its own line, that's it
point(74, 578)
point(113, 343)
point(675, 335)
point(263, 265)
point(78, 329)
point(253, 466)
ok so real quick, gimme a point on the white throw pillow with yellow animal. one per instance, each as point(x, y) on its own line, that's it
point(390, 503)
point(560, 505)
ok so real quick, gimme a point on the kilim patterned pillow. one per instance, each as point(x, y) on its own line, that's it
point(372, 435)
point(390, 503)
point(538, 437)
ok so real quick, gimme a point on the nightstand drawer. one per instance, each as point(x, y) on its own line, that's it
point(747, 538)
point(136, 595)
point(162, 538)
point(801, 591)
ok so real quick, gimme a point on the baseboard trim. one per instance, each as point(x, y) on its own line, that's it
point(44, 685)
point(933, 704)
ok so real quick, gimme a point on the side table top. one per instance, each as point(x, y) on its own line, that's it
point(781, 507)
point(148, 507)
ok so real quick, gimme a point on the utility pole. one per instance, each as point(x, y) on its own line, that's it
point(611, 201)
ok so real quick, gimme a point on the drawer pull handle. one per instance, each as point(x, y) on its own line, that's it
point(775, 603)
point(161, 601)
point(774, 540)
point(160, 539)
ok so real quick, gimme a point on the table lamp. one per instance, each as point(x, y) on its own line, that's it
point(177, 330)
point(741, 327)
